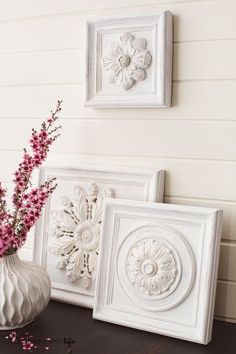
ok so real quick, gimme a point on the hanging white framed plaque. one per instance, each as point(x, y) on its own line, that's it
point(129, 61)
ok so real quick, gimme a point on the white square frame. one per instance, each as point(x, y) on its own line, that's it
point(143, 184)
point(158, 91)
point(191, 235)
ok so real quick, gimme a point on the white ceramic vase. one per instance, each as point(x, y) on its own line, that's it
point(24, 291)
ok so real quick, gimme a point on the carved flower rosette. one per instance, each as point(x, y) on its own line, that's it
point(151, 267)
point(126, 60)
point(155, 267)
point(76, 233)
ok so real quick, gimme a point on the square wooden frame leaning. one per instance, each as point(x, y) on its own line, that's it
point(129, 61)
point(158, 269)
point(68, 235)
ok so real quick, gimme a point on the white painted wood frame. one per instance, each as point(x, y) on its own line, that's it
point(129, 61)
point(158, 269)
point(67, 237)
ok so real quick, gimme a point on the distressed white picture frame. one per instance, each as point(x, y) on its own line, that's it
point(81, 191)
point(142, 63)
point(158, 269)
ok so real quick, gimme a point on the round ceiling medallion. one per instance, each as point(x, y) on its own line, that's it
point(156, 267)
point(152, 268)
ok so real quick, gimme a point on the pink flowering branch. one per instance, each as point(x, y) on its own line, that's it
point(3, 212)
point(28, 202)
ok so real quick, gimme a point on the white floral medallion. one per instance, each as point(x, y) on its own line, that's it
point(76, 233)
point(126, 60)
point(151, 267)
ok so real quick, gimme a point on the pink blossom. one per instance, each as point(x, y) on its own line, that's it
point(12, 335)
point(27, 345)
point(4, 214)
point(28, 202)
point(6, 237)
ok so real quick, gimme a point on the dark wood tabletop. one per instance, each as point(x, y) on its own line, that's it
point(64, 329)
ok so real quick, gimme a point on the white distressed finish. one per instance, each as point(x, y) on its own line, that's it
point(75, 233)
point(68, 237)
point(125, 60)
point(158, 268)
point(139, 72)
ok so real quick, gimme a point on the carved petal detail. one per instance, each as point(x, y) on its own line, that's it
point(76, 233)
point(139, 75)
point(142, 59)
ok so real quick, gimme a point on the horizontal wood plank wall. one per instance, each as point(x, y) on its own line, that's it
point(42, 47)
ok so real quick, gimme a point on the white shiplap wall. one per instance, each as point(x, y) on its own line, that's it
point(42, 47)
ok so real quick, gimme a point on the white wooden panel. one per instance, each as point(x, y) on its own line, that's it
point(191, 100)
point(229, 220)
point(37, 101)
point(204, 60)
point(227, 270)
point(189, 139)
point(203, 20)
point(192, 61)
point(226, 300)
point(27, 8)
point(44, 67)
point(45, 33)
point(192, 21)
point(185, 178)
point(8, 163)
point(228, 250)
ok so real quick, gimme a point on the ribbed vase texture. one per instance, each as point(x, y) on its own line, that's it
point(24, 291)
